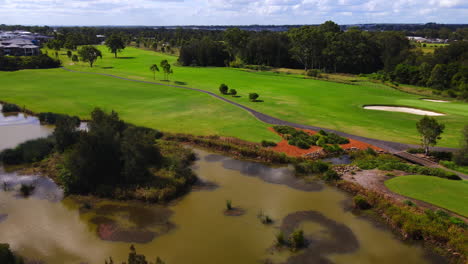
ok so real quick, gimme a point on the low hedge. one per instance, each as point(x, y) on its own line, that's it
point(388, 163)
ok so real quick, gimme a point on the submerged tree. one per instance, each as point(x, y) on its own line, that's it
point(89, 54)
point(430, 131)
point(115, 43)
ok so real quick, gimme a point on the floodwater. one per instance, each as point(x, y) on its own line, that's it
point(402, 109)
point(16, 128)
point(195, 229)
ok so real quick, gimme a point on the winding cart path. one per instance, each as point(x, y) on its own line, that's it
point(395, 148)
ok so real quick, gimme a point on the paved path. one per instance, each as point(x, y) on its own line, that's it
point(392, 147)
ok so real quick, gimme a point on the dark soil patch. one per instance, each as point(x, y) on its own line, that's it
point(284, 176)
point(235, 211)
point(339, 241)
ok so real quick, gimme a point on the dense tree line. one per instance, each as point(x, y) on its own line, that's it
point(445, 70)
point(204, 52)
point(8, 63)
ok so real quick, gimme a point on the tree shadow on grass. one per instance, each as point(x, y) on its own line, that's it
point(257, 101)
point(125, 58)
point(236, 96)
point(107, 67)
point(180, 83)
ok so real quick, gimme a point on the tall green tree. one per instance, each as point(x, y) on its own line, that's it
point(89, 54)
point(65, 132)
point(115, 43)
point(154, 68)
point(307, 45)
point(430, 131)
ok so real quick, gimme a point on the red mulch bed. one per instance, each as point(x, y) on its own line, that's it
point(294, 151)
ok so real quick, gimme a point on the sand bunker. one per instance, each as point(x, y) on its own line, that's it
point(402, 109)
point(436, 101)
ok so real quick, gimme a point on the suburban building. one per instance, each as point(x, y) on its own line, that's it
point(18, 47)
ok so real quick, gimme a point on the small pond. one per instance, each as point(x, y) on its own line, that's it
point(402, 109)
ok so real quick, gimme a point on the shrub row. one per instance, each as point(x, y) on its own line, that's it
point(388, 163)
point(42, 61)
point(439, 155)
point(232, 146)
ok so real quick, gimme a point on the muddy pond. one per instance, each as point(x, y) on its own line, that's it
point(194, 229)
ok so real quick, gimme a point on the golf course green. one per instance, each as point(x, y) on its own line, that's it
point(448, 194)
point(286, 96)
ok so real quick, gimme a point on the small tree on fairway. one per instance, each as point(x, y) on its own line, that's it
point(154, 68)
point(89, 54)
point(253, 96)
point(223, 88)
point(75, 58)
point(69, 53)
point(115, 43)
point(232, 92)
point(430, 131)
point(166, 69)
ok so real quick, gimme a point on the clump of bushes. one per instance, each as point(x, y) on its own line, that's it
point(331, 175)
point(29, 151)
point(266, 143)
point(253, 97)
point(311, 167)
point(9, 108)
point(304, 140)
point(297, 240)
point(265, 219)
point(223, 88)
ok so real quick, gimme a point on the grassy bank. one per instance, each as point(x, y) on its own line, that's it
point(448, 194)
point(293, 98)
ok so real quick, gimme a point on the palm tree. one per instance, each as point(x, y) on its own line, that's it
point(154, 68)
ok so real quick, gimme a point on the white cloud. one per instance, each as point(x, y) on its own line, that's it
point(177, 12)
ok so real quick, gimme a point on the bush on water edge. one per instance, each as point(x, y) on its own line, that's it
point(8, 257)
point(10, 108)
point(29, 151)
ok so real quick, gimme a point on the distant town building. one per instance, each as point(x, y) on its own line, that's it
point(428, 40)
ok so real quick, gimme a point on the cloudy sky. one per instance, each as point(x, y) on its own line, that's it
point(229, 12)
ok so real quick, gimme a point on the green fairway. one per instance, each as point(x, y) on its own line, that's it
point(286, 96)
point(449, 194)
point(174, 110)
